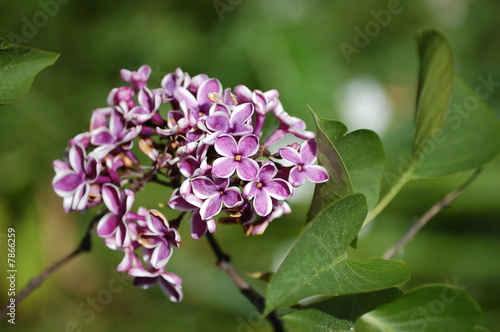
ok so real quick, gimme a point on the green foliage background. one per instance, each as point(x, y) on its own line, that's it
point(289, 45)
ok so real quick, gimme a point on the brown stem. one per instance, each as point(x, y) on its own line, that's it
point(85, 246)
point(258, 301)
point(418, 224)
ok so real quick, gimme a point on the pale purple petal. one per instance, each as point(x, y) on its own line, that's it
point(262, 203)
point(172, 290)
point(247, 169)
point(66, 182)
point(316, 173)
point(211, 225)
point(161, 255)
point(226, 146)
point(102, 136)
point(211, 207)
point(76, 158)
point(290, 154)
point(278, 189)
point(209, 86)
point(224, 167)
point(241, 129)
point(250, 189)
point(111, 197)
point(198, 225)
point(267, 172)
point(243, 93)
point(308, 152)
point(248, 145)
point(232, 197)
point(108, 225)
point(296, 177)
point(80, 197)
point(203, 187)
point(241, 113)
point(181, 93)
point(188, 166)
point(218, 122)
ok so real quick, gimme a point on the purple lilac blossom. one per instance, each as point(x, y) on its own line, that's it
point(207, 145)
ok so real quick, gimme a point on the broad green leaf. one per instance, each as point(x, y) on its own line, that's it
point(339, 184)
point(312, 320)
point(364, 158)
point(318, 265)
point(426, 308)
point(352, 306)
point(435, 87)
point(18, 67)
point(470, 136)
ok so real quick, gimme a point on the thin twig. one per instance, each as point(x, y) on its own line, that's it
point(417, 225)
point(258, 301)
point(85, 246)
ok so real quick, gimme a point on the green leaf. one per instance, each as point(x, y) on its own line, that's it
point(435, 87)
point(470, 137)
point(339, 184)
point(355, 162)
point(352, 306)
point(312, 320)
point(364, 158)
point(318, 265)
point(18, 67)
point(426, 308)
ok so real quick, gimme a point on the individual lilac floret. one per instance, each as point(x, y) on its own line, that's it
point(138, 78)
point(115, 222)
point(236, 123)
point(215, 192)
point(159, 239)
point(236, 156)
point(169, 283)
point(73, 182)
point(303, 164)
point(265, 188)
point(117, 134)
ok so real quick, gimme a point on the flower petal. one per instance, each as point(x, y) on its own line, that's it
point(66, 182)
point(218, 121)
point(262, 203)
point(211, 207)
point(290, 154)
point(224, 167)
point(316, 173)
point(278, 189)
point(198, 225)
point(248, 145)
point(161, 255)
point(247, 169)
point(209, 86)
point(203, 187)
point(296, 177)
point(226, 146)
point(308, 152)
point(232, 197)
point(241, 114)
point(108, 225)
point(111, 197)
point(267, 172)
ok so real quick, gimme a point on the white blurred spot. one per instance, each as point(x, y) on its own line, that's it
point(449, 12)
point(365, 105)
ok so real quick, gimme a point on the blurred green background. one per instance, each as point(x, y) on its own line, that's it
point(291, 45)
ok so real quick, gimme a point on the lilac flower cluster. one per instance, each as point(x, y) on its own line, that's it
point(208, 147)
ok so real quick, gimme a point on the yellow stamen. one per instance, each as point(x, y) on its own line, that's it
point(259, 184)
point(237, 157)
